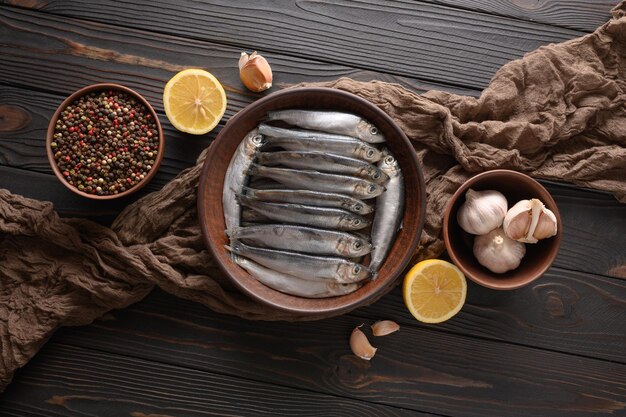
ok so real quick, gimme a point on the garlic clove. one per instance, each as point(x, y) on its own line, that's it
point(546, 227)
point(243, 59)
point(497, 252)
point(528, 221)
point(360, 346)
point(384, 327)
point(482, 211)
point(255, 72)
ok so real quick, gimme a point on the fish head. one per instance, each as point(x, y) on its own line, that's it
point(370, 189)
point(369, 133)
point(351, 222)
point(358, 207)
point(376, 175)
point(353, 246)
point(389, 165)
point(359, 246)
point(253, 143)
point(353, 272)
point(368, 153)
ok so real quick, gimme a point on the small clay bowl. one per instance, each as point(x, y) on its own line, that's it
point(86, 90)
point(539, 256)
point(211, 213)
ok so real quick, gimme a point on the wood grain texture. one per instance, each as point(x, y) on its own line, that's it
point(59, 55)
point(563, 311)
point(584, 15)
point(411, 39)
point(415, 368)
point(70, 381)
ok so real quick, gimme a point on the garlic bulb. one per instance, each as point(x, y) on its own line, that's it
point(497, 252)
point(482, 211)
point(255, 72)
point(529, 221)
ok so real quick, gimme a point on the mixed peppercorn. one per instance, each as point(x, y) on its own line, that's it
point(105, 143)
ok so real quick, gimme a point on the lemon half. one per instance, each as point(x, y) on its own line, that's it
point(434, 290)
point(194, 101)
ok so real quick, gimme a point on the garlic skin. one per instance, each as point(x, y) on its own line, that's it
point(529, 221)
point(255, 72)
point(497, 252)
point(360, 346)
point(482, 211)
point(384, 327)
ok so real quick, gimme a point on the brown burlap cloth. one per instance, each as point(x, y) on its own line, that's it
point(559, 113)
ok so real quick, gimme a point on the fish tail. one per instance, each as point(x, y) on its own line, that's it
point(253, 169)
point(244, 200)
point(247, 191)
point(234, 247)
point(233, 232)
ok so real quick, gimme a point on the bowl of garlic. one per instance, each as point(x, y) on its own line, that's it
point(502, 229)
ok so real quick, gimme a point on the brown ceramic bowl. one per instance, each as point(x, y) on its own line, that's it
point(212, 180)
point(539, 256)
point(99, 87)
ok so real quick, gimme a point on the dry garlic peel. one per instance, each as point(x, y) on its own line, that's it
point(255, 72)
point(497, 252)
point(384, 327)
point(529, 221)
point(482, 211)
point(360, 346)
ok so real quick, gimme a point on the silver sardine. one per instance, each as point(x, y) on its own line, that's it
point(324, 162)
point(325, 217)
point(331, 122)
point(314, 268)
point(236, 176)
point(319, 181)
point(389, 211)
point(302, 239)
point(289, 284)
point(309, 198)
point(304, 140)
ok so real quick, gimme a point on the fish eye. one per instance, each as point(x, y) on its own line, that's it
point(357, 244)
point(371, 188)
point(356, 269)
point(356, 222)
point(376, 175)
point(358, 207)
point(370, 153)
point(373, 130)
point(389, 159)
point(257, 139)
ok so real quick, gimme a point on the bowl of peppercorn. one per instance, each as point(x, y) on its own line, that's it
point(105, 141)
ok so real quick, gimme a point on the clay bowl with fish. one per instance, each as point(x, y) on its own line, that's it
point(211, 210)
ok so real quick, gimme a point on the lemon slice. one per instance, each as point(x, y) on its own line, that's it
point(434, 290)
point(194, 101)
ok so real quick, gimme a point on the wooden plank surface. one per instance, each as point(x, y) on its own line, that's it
point(565, 311)
point(416, 368)
point(584, 15)
point(70, 381)
point(555, 348)
point(412, 39)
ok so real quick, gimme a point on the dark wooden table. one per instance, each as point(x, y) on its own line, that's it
point(554, 348)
